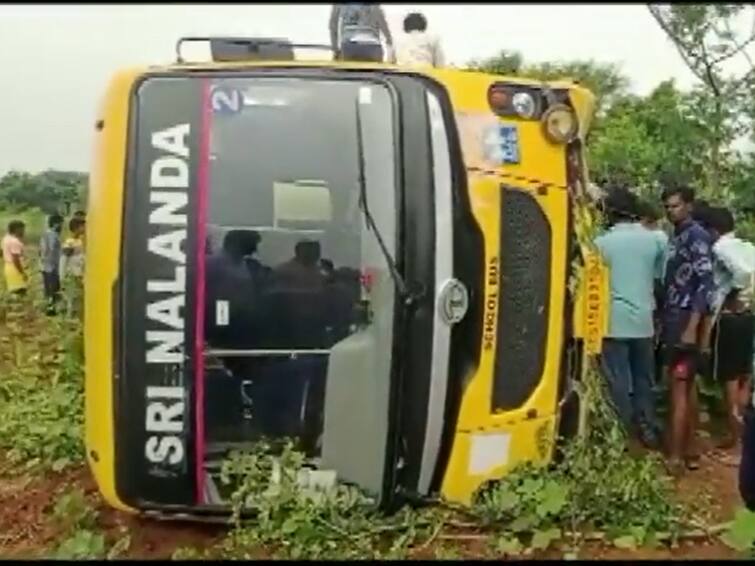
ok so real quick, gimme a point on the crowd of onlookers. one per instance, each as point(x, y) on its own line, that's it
point(61, 262)
point(681, 307)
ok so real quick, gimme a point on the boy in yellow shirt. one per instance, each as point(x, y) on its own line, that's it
point(72, 264)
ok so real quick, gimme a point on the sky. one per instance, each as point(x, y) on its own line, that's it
point(57, 59)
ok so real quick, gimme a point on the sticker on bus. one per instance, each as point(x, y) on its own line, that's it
point(222, 315)
point(501, 144)
point(226, 100)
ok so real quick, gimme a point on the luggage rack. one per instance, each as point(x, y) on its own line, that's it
point(234, 48)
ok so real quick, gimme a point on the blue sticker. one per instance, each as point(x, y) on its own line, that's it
point(501, 144)
point(226, 100)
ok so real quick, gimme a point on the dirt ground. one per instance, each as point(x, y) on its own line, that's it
point(27, 529)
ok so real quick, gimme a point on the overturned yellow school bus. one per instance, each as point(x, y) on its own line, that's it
point(373, 261)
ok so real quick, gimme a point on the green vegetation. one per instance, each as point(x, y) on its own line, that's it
point(50, 191)
point(41, 392)
point(31, 198)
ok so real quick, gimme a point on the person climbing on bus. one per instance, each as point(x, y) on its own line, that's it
point(355, 31)
point(418, 47)
point(16, 279)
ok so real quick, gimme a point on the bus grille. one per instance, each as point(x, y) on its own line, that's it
point(524, 288)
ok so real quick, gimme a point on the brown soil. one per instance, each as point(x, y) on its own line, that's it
point(28, 529)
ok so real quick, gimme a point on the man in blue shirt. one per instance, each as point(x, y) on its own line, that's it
point(634, 256)
point(686, 319)
point(49, 253)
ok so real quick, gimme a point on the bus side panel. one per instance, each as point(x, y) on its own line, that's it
point(106, 188)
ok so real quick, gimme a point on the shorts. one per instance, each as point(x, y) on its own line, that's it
point(732, 345)
point(673, 325)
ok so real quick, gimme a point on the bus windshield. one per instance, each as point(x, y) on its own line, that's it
point(291, 268)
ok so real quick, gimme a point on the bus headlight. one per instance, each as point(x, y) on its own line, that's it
point(560, 124)
point(517, 101)
point(524, 104)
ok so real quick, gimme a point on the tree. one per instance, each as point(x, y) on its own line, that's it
point(654, 140)
point(705, 37)
point(51, 191)
point(605, 80)
point(505, 63)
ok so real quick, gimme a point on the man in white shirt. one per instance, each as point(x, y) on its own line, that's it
point(417, 47)
point(733, 269)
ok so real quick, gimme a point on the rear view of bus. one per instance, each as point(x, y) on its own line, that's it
point(286, 251)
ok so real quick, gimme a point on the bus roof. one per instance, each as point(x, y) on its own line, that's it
point(565, 83)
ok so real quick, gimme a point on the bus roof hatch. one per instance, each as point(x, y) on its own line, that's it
point(234, 49)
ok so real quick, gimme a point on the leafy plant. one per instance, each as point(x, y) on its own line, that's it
point(81, 545)
point(741, 533)
point(596, 486)
point(72, 508)
point(292, 521)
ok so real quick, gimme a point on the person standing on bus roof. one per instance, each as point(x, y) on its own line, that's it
point(16, 280)
point(633, 255)
point(355, 31)
point(418, 47)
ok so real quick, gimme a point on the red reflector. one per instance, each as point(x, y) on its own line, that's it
point(498, 98)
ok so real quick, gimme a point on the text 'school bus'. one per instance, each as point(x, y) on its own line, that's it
point(373, 261)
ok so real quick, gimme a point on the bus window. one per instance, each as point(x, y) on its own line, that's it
point(290, 243)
